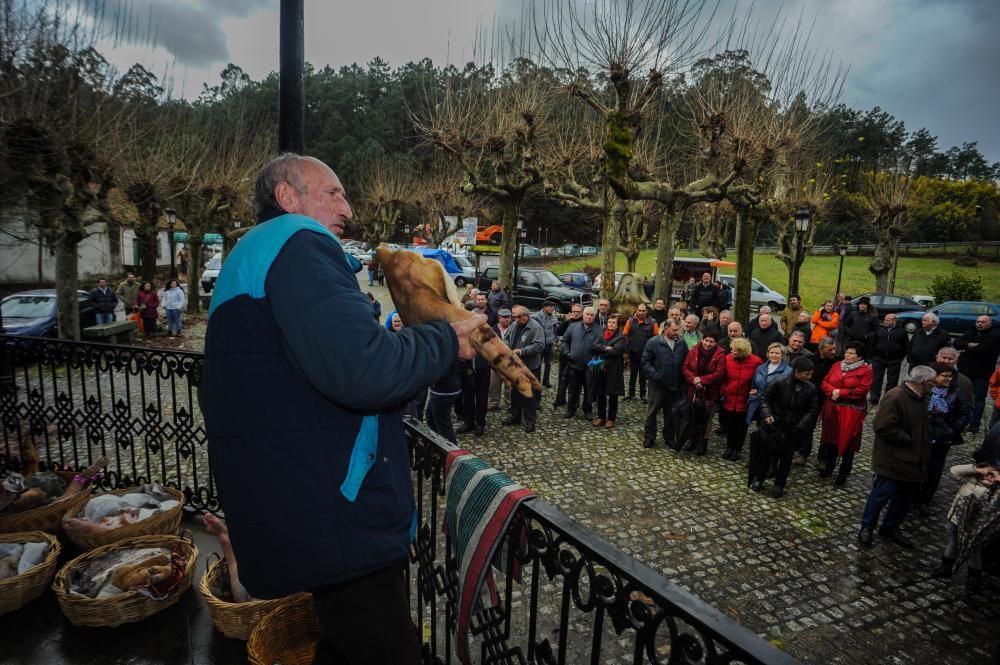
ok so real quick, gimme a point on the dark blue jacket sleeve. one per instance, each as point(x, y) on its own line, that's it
point(330, 332)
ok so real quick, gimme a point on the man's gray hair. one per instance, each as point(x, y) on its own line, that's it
point(589, 310)
point(286, 167)
point(920, 373)
point(764, 309)
point(797, 333)
point(932, 316)
point(825, 342)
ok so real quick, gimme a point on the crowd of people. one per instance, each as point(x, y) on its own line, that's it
point(778, 379)
point(141, 302)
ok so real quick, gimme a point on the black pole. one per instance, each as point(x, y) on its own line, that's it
point(794, 286)
point(840, 273)
point(513, 287)
point(291, 81)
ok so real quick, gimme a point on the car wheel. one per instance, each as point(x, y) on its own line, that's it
point(460, 281)
point(910, 327)
point(775, 307)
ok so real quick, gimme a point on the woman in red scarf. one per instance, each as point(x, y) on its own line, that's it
point(608, 375)
point(846, 388)
point(704, 371)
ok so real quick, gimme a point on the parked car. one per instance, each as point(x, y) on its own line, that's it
point(468, 269)
point(924, 300)
point(358, 253)
point(530, 252)
point(890, 304)
point(33, 313)
point(569, 249)
point(534, 285)
point(548, 252)
point(211, 273)
point(599, 278)
point(957, 316)
point(760, 293)
point(578, 280)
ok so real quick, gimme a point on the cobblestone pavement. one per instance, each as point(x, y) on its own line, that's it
point(789, 569)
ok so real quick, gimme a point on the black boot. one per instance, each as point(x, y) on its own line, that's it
point(944, 569)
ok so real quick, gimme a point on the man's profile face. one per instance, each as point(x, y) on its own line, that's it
point(889, 321)
point(324, 198)
point(495, 286)
point(828, 351)
point(805, 375)
point(927, 323)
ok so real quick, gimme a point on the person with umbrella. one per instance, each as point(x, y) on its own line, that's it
point(704, 371)
point(846, 388)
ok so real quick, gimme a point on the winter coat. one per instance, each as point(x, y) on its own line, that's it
point(663, 365)
point(995, 388)
point(706, 326)
point(637, 333)
point(530, 339)
point(971, 485)
point(495, 301)
point(174, 298)
point(761, 380)
point(860, 326)
point(793, 404)
point(946, 428)
point(739, 377)
point(888, 345)
point(548, 322)
point(924, 346)
point(127, 293)
point(151, 302)
point(791, 357)
point(978, 362)
point(578, 342)
point(789, 317)
point(902, 436)
point(703, 296)
point(760, 339)
point(712, 372)
point(843, 418)
point(823, 326)
point(451, 383)
point(104, 302)
point(692, 339)
point(614, 362)
point(805, 328)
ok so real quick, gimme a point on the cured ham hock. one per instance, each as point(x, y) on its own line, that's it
point(422, 291)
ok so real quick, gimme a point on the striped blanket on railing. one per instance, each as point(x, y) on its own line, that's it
point(481, 501)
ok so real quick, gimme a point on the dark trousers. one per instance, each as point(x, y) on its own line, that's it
point(635, 373)
point(576, 381)
point(897, 494)
point(935, 467)
point(660, 399)
point(563, 382)
point(525, 409)
point(366, 621)
point(980, 388)
point(465, 406)
point(783, 458)
point(607, 406)
point(828, 460)
point(475, 396)
point(735, 424)
point(880, 369)
point(546, 365)
point(439, 408)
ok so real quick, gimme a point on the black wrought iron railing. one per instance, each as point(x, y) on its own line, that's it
point(574, 599)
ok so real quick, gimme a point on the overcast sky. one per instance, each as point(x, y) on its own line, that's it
point(931, 63)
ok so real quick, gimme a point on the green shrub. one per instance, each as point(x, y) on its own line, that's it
point(956, 286)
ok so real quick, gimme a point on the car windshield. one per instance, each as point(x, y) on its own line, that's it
point(546, 278)
point(462, 261)
point(28, 307)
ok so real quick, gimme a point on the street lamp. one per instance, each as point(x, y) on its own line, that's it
point(802, 222)
point(840, 272)
point(171, 220)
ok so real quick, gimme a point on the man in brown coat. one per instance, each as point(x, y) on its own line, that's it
point(899, 458)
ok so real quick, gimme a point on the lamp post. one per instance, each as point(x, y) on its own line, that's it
point(171, 220)
point(840, 271)
point(517, 252)
point(802, 221)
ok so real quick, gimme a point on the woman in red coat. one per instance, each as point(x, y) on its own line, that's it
point(704, 371)
point(148, 301)
point(741, 363)
point(846, 388)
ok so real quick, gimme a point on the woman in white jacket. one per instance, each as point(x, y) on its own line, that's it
point(174, 301)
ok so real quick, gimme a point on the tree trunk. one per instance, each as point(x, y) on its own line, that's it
point(114, 231)
point(746, 237)
point(881, 264)
point(631, 258)
point(511, 208)
point(609, 246)
point(195, 244)
point(67, 283)
point(147, 235)
point(665, 254)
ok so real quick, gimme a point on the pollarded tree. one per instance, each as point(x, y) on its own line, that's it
point(887, 196)
point(384, 192)
point(809, 191)
point(442, 205)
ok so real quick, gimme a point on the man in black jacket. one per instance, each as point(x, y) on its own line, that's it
point(638, 330)
point(574, 315)
point(705, 294)
point(980, 348)
point(926, 342)
point(790, 407)
point(825, 358)
point(662, 360)
point(860, 324)
point(104, 301)
point(764, 335)
point(888, 349)
point(578, 345)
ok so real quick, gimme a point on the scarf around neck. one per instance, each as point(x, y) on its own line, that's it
point(845, 368)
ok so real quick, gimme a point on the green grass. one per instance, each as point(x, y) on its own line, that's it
point(818, 278)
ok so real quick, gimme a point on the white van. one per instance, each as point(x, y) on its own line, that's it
point(760, 293)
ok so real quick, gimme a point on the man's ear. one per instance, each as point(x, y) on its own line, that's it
point(286, 196)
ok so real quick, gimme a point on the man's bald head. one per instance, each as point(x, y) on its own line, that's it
point(302, 185)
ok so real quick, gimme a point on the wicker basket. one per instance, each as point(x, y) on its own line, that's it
point(126, 607)
point(165, 523)
point(18, 591)
point(236, 620)
point(44, 518)
point(287, 635)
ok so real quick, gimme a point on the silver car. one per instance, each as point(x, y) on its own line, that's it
point(760, 293)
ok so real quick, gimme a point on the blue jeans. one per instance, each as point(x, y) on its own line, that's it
point(897, 494)
point(174, 321)
point(980, 388)
point(371, 278)
point(546, 364)
point(108, 317)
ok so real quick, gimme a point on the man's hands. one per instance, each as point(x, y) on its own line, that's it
point(462, 330)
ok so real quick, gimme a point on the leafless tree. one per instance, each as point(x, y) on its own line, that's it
point(385, 189)
point(886, 195)
point(442, 205)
